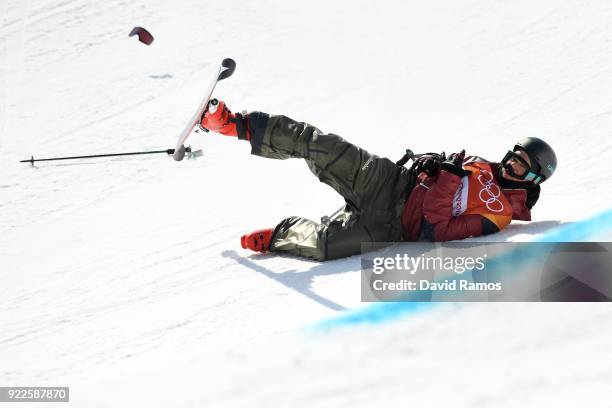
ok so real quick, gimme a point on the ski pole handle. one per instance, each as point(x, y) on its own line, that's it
point(407, 156)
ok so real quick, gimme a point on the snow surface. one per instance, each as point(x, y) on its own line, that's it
point(124, 278)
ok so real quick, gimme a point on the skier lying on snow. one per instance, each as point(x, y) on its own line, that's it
point(439, 198)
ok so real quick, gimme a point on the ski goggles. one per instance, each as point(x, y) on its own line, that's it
point(525, 172)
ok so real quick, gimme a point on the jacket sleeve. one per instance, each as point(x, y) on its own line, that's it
point(439, 224)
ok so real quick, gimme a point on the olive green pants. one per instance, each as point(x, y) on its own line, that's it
point(373, 188)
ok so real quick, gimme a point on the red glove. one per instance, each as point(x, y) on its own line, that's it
point(218, 118)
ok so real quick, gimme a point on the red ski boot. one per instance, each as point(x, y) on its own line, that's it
point(220, 119)
point(258, 241)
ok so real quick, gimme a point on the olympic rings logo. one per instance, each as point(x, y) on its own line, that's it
point(490, 192)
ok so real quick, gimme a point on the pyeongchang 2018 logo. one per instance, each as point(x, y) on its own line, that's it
point(460, 198)
point(490, 192)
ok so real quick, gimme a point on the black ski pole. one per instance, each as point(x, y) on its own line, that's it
point(91, 156)
point(407, 156)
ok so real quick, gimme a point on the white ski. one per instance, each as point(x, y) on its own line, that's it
point(225, 71)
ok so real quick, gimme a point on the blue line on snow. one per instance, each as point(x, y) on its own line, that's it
point(581, 230)
point(385, 311)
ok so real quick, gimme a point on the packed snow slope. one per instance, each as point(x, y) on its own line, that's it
point(124, 278)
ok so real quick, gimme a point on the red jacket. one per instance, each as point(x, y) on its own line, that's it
point(445, 207)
